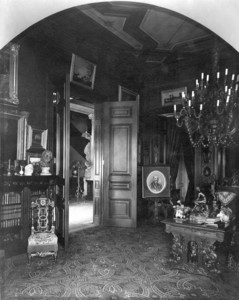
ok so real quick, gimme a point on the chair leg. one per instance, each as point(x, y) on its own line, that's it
point(55, 256)
point(29, 258)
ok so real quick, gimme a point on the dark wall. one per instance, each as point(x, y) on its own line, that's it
point(33, 86)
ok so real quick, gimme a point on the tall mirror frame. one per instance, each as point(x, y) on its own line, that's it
point(9, 74)
point(8, 139)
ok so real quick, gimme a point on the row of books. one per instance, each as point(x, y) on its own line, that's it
point(11, 223)
point(11, 212)
point(11, 198)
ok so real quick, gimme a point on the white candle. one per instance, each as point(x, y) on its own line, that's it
point(236, 87)
point(197, 82)
point(225, 88)
point(207, 78)
point(193, 94)
point(237, 77)
point(229, 92)
point(189, 103)
point(233, 77)
point(183, 95)
point(202, 75)
point(228, 97)
point(226, 71)
point(175, 108)
point(200, 106)
point(218, 75)
point(218, 103)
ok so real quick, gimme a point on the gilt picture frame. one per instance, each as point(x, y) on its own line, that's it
point(125, 94)
point(173, 96)
point(156, 181)
point(82, 72)
point(37, 139)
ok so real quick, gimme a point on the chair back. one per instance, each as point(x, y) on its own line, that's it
point(43, 215)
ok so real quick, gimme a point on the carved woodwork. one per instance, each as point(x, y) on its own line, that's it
point(16, 195)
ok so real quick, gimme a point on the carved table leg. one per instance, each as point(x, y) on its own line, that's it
point(209, 256)
point(177, 248)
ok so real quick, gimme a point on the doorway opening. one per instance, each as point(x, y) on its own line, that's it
point(81, 168)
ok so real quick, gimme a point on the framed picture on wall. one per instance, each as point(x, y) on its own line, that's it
point(173, 96)
point(126, 94)
point(82, 72)
point(155, 181)
point(37, 138)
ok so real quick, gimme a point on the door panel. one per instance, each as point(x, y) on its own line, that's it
point(62, 165)
point(98, 163)
point(119, 140)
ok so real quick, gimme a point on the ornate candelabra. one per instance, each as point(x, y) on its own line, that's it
point(211, 113)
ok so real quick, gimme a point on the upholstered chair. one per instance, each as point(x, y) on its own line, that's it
point(43, 240)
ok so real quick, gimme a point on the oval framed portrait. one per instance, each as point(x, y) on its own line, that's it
point(155, 181)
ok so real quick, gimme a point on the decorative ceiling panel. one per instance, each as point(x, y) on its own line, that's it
point(169, 30)
point(114, 24)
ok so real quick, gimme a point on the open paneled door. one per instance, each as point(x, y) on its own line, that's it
point(116, 138)
point(62, 120)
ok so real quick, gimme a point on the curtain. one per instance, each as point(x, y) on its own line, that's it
point(173, 151)
point(188, 152)
point(177, 138)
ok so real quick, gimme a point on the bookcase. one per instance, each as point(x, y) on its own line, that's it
point(16, 195)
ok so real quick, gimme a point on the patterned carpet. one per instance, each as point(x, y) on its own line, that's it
point(114, 263)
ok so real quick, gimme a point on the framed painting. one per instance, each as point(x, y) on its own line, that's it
point(37, 139)
point(82, 72)
point(173, 96)
point(126, 94)
point(156, 181)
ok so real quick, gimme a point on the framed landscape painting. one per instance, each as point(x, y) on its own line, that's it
point(127, 95)
point(82, 72)
point(155, 181)
point(173, 96)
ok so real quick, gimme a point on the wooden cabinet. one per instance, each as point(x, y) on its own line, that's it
point(16, 195)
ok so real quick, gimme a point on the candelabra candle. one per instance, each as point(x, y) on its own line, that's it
point(218, 75)
point(228, 98)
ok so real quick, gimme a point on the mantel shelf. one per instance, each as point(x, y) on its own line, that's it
point(16, 182)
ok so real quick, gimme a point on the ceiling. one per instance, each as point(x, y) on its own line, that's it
point(116, 33)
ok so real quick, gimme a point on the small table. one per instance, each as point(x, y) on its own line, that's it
point(194, 242)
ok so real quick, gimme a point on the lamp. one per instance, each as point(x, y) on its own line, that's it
point(210, 114)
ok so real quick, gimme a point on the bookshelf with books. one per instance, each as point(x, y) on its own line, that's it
point(16, 195)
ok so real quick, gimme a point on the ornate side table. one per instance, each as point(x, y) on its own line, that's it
point(194, 243)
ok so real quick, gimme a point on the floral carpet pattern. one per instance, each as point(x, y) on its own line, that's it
point(114, 263)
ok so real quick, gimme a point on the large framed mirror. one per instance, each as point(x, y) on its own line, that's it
point(13, 136)
point(9, 74)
